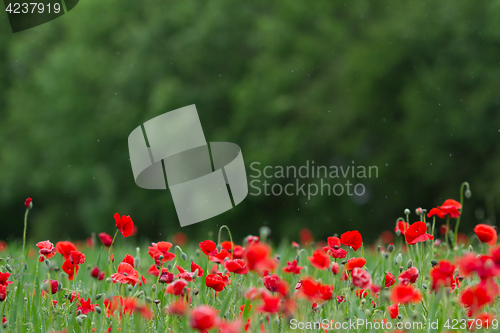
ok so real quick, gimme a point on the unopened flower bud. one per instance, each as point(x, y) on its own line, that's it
point(419, 211)
point(130, 288)
point(471, 249)
point(390, 248)
point(399, 258)
point(468, 194)
point(98, 296)
point(424, 286)
point(98, 309)
point(409, 264)
point(184, 256)
point(79, 321)
point(108, 280)
point(434, 262)
point(407, 211)
point(259, 281)
point(137, 261)
point(153, 288)
point(7, 266)
point(149, 300)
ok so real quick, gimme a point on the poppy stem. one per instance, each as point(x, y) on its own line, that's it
point(24, 233)
point(464, 184)
point(230, 238)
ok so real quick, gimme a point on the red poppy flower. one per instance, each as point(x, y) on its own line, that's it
point(314, 290)
point(125, 274)
point(161, 249)
point(476, 297)
point(183, 274)
point(484, 266)
point(153, 270)
point(70, 269)
point(195, 267)
point(219, 257)
point(442, 275)
point(3, 292)
point(333, 249)
point(361, 278)
point(176, 287)
point(486, 234)
point(124, 224)
point(28, 203)
point(274, 284)
point(389, 280)
point(292, 267)
point(320, 260)
point(401, 226)
point(85, 306)
point(408, 276)
point(270, 304)
point(393, 311)
point(208, 247)
point(129, 260)
point(51, 286)
point(4, 277)
point(417, 232)
point(47, 250)
point(352, 239)
point(106, 239)
point(335, 268)
point(166, 276)
point(76, 257)
point(405, 294)
point(65, 248)
point(483, 320)
point(203, 318)
point(257, 258)
point(95, 272)
point(449, 207)
point(178, 308)
point(306, 236)
point(217, 281)
point(354, 262)
point(237, 266)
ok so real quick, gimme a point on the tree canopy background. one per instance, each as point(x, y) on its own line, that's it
point(409, 86)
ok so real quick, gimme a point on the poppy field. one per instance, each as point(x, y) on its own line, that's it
point(422, 275)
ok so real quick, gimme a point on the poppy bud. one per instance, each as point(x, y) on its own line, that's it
point(98, 309)
point(29, 203)
point(424, 286)
point(7, 266)
point(219, 248)
point(149, 300)
point(195, 274)
point(108, 280)
point(390, 248)
point(398, 232)
point(78, 312)
point(130, 288)
point(259, 281)
point(399, 258)
point(184, 256)
point(137, 261)
point(400, 317)
point(468, 194)
point(419, 211)
point(407, 211)
point(79, 321)
point(401, 269)
point(196, 292)
point(98, 296)
point(140, 294)
point(153, 288)
point(137, 251)
point(83, 316)
point(409, 264)
point(434, 262)
point(264, 232)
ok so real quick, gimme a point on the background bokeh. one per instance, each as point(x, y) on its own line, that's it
point(410, 87)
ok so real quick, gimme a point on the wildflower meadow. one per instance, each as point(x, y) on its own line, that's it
point(422, 275)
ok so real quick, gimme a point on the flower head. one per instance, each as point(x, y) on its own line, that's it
point(124, 224)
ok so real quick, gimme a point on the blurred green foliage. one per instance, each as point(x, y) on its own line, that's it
point(409, 86)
